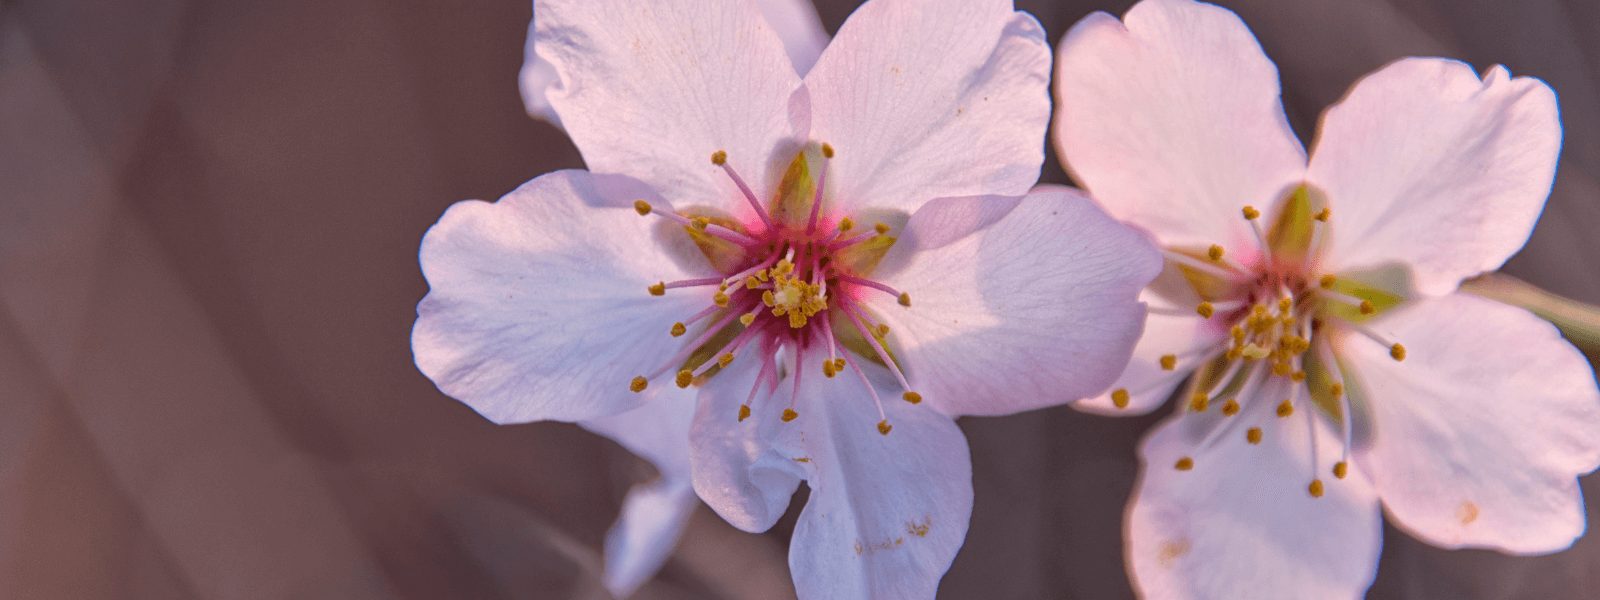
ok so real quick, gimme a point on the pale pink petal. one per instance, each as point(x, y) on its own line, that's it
point(1171, 119)
point(652, 89)
point(744, 470)
point(1016, 303)
point(1480, 434)
point(931, 98)
point(1148, 385)
point(654, 513)
point(1427, 165)
point(795, 21)
point(537, 307)
point(1242, 523)
point(887, 513)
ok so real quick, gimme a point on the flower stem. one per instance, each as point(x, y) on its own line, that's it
point(1579, 321)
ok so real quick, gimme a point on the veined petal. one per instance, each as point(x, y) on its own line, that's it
point(1241, 522)
point(744, 469)
point(654, 513)
point(887, 513)
point(537, 307)
point(795, 22)
point(1016, 303)
point(932, 98)
point(1428, 165)
point(1172, 120)
point(652, 89)
point(1187, 339)
point(1481, 432)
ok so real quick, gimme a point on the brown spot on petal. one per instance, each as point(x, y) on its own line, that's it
point(1467, 513)
point(1171, 551)
point(919, 528)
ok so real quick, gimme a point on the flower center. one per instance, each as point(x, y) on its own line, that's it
point(1279, 311)
point(796, 280)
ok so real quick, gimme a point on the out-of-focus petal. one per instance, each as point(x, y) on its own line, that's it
point(932, 98)
point(1016, 303)
point(1480, 433)
point(1428, 165)
point(537, 305)
point(1171, 118)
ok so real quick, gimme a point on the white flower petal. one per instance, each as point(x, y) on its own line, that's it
point(1172, 120)
point(932, 98)
point(652, 89)
point(1480, 434)
point(1427, 165)
point(537, 307)
point(1147, 384)
point(744, 470)
point(887, 513)
point(795, 22)
point(1242, 523)
point(1016, 303)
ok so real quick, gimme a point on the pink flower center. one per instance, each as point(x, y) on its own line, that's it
point(795, 279)
point(1278, 311)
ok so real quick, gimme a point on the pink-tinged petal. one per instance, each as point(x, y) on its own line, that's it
point(1480, 433)
point(931, 98)
point(1187, 338)
point(1241, 523)
point(887, 513)
point(1016, 303)
point(537, 305)
point(1427, 165)
point(654, 513)
point(798, 25)
point(652, 89)
point(795, 22)
point(744, 470)
point(1171, 118)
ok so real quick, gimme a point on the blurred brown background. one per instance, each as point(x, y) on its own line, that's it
point(209, 217)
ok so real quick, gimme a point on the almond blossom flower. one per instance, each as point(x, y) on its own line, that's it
point(654, 513)
point(824, 272)
point(1332, 366)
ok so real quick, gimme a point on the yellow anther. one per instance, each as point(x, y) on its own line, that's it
point(1199, 402)
point(1324, 215)
point(1237, 333)
point(744, 412)
point(659, 288)
point(769, 299)
point(789, 415)
point(1285, 409)
point(1251, 213)
point(720, 299)
point(1315, 488)
point(1298, 376)
point(838, 364)
point(1397, 352)
point(638, 384)
point(723, 360)
point(880, 228)
point(1282, 369)
point(1284, 304)
point(827, 150)
point(1184, 464)
point(1205, 309)
point(641, 207)
point(884, 427)
point(751, 282)
point(700, 223)
point(1327, 282)
point(1336, 389)
point(828, 370)
point(881, 330)
point(1255, 351)
point(1215, 252)
point(719, 158)
point(1340, 469)
point(685, 377)
point(845, 224)
point(905, 299)
point(747, 318)
point(1253, 435)
point(679, 329)
point(1367, 308)
point(912, 397)
point(1119, 398)
point(1169, 362)
point(1231, 407)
